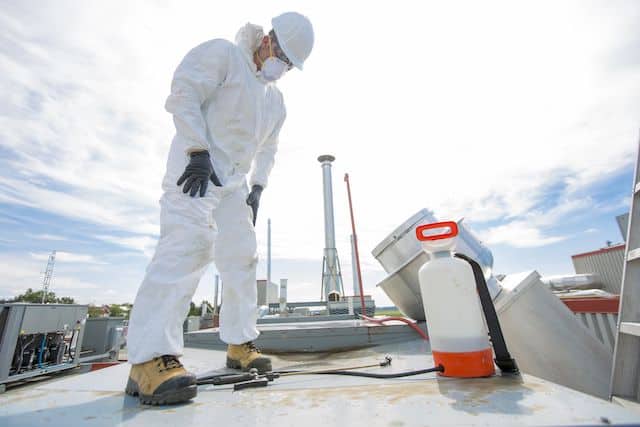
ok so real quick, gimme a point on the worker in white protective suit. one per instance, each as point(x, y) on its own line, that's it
point(227, 112)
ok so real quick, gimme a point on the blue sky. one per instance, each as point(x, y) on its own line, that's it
point(522, 118)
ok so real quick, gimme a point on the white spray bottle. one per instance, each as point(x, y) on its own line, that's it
point(457, 332)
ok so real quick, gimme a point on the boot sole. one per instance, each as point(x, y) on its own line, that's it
point(167, 398)
point(235, 364)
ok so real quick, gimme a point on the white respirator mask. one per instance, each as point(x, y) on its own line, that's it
point(273, 69)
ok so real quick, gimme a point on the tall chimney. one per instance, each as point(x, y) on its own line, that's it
point(332, 289)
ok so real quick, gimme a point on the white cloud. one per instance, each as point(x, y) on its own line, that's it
point(22, 271)
point(144, 244)
point(520, 234)
point(68, 257)
point(622, 206)
point(71, 283)
point(8, 221)
point(107, 211)
point(6, 198)
point(528, 230)
point(47, 237)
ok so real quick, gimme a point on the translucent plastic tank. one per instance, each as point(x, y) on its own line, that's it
point(457, 332)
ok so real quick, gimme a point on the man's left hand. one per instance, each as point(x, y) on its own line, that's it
point(253, 200)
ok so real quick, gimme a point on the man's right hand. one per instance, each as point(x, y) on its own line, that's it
point(197, 174)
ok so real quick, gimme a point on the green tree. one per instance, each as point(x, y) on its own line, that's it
point(193, 309)
point(127, 307)
point(95, 311)
point(196, 310)
point(35, 297)
point(116, 311)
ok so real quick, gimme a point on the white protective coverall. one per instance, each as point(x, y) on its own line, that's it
point(220, 104)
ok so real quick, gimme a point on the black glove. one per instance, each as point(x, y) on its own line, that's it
point(253, 200)
point(198, 173)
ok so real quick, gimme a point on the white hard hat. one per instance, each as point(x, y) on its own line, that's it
point(295, 36)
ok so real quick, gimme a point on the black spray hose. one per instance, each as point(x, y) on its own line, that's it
point(225, 379)
point(383, 376)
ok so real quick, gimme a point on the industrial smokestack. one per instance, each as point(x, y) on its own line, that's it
point(332, 289)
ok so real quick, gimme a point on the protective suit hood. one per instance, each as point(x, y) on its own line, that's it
point(248, 40)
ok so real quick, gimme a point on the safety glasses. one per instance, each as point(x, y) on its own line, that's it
point(277, 51)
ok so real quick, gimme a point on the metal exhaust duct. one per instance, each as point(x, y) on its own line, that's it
point(332, 289)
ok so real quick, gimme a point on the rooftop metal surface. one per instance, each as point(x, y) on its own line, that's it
point(97, 398)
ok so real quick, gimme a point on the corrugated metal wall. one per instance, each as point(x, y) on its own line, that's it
point(607, 263)
point(602, 326)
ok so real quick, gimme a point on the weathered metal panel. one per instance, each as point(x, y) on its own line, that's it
point(102, 335)
point(547, 339)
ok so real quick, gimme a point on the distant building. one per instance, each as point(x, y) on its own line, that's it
point(606, 262)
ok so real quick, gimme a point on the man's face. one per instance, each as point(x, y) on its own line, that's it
point(276, 50)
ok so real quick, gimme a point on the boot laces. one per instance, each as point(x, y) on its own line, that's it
point(170, 362)
point(251, 347)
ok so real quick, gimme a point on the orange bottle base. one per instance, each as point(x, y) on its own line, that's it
point(470, 364)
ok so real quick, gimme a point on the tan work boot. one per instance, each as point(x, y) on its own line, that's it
point(246, 356)
point(161, 381)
